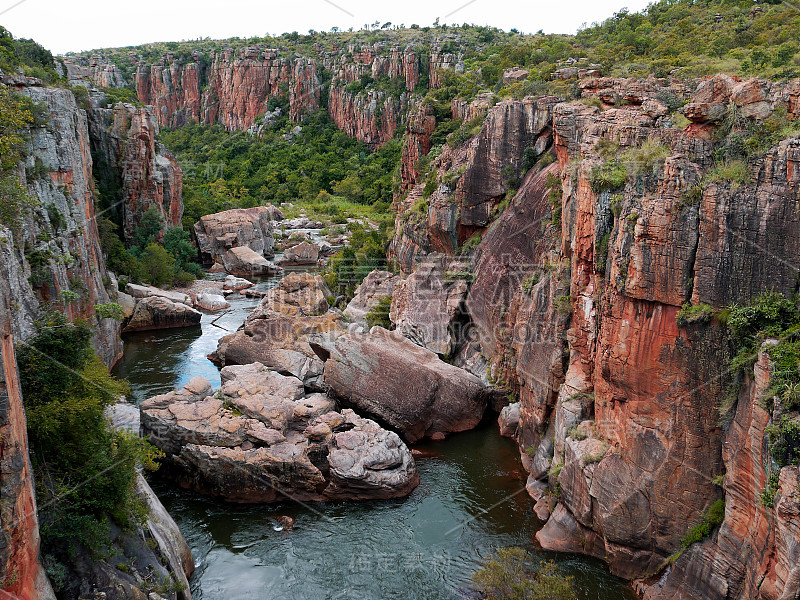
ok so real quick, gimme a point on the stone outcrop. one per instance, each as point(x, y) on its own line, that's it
point(244, 261)
point(485, 169)
point(156, 312)
point(276, 444)
point(427, 305)
point(133, 161)
point(22, 573)
point(239, 85)
point(372, 117)
point(282, 344)
point(573, 309)
point(61, 255)
point(218, 233)
point(297, 295)
point(371, 373)
point(211, 301)
point(377, 286)
point(304, 253)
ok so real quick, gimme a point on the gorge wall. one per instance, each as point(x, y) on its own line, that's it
point(234, 87)
point(575, 290)
point(52, 259)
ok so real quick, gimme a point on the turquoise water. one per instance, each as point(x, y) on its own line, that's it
point(470, 501)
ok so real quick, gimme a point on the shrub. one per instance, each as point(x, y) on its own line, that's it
point(85, 472)
point(692, 314)
point(510, 576)
point(379, 314)
point(608, 176)
point(713, 518)
point(111, 310)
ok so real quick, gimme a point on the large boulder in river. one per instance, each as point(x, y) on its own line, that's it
point(244, 261)
point(281, 343)
point(304, 253)
point(234, 284)
point(427, 305)
point(155, 312)
point(376, 286)
point(297, 295)
point(257, 441)
point(211, 301)
point(408, 387)
point(241, 227)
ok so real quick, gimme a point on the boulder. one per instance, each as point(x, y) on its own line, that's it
point(155, 312)
point(238, 228)
point(297, 295)
point(408, 387)
point(147, 291)
point(426, 305)
point(281, 343)
point(257, 440)
point(304, 253)
point(244, 261)
point(710, 102)
point(211, 302)
point(233, 283)
point(375, 287)
point(508, 420)
point(127, 302)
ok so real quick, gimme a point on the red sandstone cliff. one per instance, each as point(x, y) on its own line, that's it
point(137, 164)
point(620, 406)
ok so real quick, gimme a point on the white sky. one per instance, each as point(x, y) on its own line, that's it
point(64, 25)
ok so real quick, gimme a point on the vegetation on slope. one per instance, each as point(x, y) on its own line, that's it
point(225, 170)
point(85, 472)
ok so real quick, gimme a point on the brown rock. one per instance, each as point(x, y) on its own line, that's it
point(297, 295)
point(241, 227)
point(371, 372)
point(156, 312)
point(244, 261)
point(304, 253)
point(426, 305)
point(375, 287)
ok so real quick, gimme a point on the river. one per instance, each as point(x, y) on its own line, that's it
point(470, 501)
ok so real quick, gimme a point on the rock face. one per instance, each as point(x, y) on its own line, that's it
point(233, 87)
point(427, 305)
point(133, 161)
point(277, 445)
point(239, 84)
point(484, 169)
point(376, 286)
point(208, 300)
point(304, 253)
point(23, 575)
point(573, 303)
point(60, 233)
point(156, 312)
point(240, 227)
point(371, 372)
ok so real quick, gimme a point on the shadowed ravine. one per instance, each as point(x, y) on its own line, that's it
point(354, 550)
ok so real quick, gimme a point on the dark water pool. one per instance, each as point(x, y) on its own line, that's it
point(470, 501)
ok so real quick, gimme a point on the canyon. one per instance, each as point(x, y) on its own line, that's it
point(532, 279)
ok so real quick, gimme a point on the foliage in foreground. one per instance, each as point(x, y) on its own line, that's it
point(510, 576)
point(85, 472)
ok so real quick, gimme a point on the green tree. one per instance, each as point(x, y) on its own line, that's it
point(158, 265)
point(510, 576)
point(150, 226)
point(85, 472)
point(15, 115)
